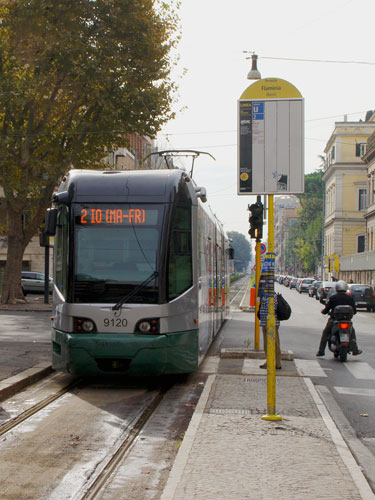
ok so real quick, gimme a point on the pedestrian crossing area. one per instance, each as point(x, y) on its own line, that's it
point(312, 368)
point(356, 369)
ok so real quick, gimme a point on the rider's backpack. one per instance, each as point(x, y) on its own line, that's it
point(283, 310)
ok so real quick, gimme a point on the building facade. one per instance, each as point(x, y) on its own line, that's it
point(346, 188)
point(360, 267)
point(285, 220)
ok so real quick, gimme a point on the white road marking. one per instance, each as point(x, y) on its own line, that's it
point(309, 368)
point(355, 391)
point(361, 370)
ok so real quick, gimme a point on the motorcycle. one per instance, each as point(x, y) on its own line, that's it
point(341, 333)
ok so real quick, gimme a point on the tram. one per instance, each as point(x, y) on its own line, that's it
point(141, 273)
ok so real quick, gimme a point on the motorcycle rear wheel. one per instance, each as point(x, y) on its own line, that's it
point(343, 354)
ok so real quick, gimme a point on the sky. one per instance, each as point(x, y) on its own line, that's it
point(215, 34)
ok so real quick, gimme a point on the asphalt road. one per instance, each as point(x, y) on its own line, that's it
point(351, 384)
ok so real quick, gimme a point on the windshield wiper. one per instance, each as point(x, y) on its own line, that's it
point(135, 291)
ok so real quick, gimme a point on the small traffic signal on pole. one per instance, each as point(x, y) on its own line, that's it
point(256, 220)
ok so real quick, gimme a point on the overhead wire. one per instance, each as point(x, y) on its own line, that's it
point(369, 63)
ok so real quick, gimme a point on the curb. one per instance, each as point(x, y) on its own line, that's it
point(344, 451)
point(26, 308)
point(12, 385)
point(182, 456)
point(247, 308)
point(244, 352)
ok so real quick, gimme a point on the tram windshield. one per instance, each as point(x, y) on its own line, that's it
point(116, 248)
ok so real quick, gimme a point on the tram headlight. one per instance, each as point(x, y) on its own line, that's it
point(148, 326)
point(84, 325)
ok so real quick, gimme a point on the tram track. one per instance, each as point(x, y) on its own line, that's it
point(115, 415)
point(33, 410)
point(101, 478)
point(244, 283)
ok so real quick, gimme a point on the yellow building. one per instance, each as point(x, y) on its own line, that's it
point(369, 158)
point(285, 220)
point(345, 180)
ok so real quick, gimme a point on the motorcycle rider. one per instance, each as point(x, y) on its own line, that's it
point(338, 299)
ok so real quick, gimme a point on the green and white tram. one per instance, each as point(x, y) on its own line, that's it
point(141, 274)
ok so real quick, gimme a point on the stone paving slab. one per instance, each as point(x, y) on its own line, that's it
point(244, 352)
point(234, 454)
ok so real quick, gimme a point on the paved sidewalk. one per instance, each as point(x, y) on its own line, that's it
point(230, 453)
point(23, 362)
point(32, 304)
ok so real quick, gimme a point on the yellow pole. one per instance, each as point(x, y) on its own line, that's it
point(271, 327)
point(257, 299)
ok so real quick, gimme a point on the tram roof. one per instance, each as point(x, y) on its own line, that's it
point(161, 185)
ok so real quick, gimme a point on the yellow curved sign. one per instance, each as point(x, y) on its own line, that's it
point(271, 88)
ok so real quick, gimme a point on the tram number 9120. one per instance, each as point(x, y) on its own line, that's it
point(115, 322)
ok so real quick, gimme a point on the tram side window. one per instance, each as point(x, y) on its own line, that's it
point(180, 272)
point(62, 251)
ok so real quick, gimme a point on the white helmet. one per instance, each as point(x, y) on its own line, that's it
point(341, 286)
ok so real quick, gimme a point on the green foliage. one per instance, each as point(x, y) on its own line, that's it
point(76, 78)
point(242, 250)
point(305, 241)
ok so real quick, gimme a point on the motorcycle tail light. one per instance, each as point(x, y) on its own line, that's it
point(349, 293)
point(344, 326)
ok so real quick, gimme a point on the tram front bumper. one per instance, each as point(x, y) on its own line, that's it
point(128, 354)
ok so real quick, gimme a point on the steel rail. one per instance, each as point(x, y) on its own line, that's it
point(99, 482)
point(241, 290)
point(12, 423)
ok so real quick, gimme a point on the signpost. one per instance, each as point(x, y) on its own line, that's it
point(270, 161)
point(270, 139)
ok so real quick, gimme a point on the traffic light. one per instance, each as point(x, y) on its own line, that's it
point(256, 220)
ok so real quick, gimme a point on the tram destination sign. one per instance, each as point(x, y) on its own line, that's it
point(271, 139)
point(112, 215)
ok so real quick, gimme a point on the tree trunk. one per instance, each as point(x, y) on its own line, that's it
point(12, 289)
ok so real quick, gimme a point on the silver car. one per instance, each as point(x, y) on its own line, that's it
point(33, 282)
point(304, 284)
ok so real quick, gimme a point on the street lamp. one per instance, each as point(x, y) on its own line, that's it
point(254, 73)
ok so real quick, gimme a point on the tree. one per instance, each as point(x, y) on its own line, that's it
point(304, 244)
point(242, 250)
point(77, 77)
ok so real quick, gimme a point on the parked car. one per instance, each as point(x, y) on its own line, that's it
point(286, 280)
point(364, 295)
point(313, 288)
point(331, 292)
point(34, 282)
point(323, 290)
point(304, 284)
point(293, 283)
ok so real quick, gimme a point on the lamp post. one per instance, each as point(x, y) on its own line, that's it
point(254, 74)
